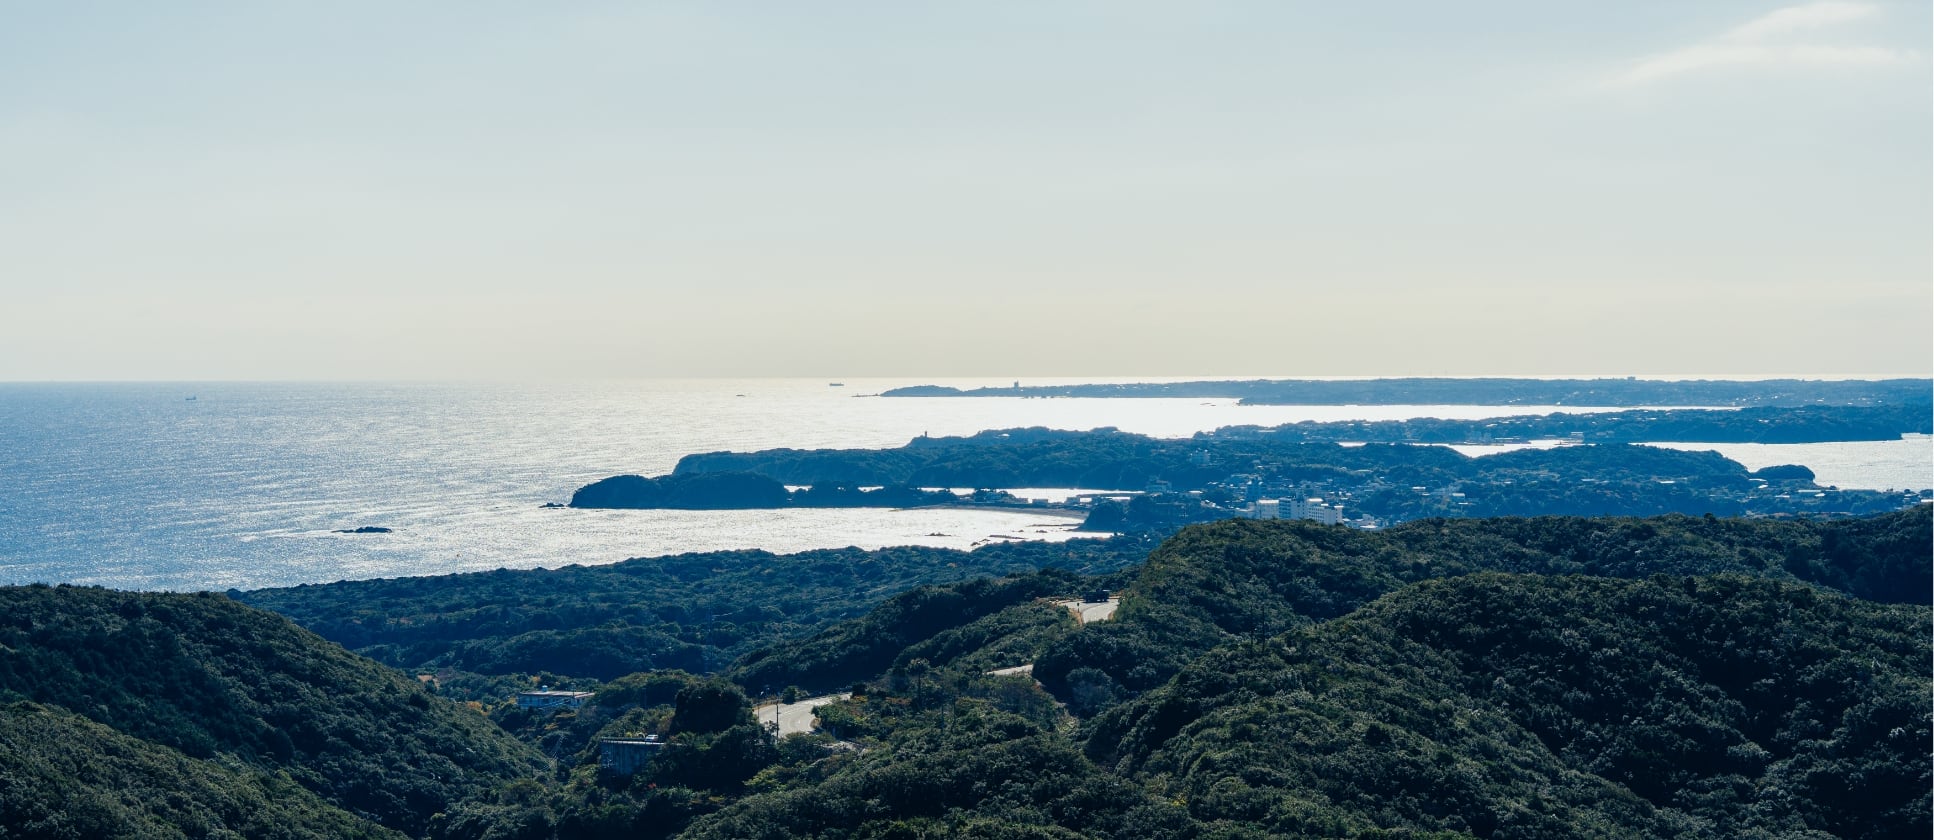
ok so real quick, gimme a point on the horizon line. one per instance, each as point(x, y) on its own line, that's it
point(1051, 380)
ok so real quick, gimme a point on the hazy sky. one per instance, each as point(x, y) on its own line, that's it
point(513, 189)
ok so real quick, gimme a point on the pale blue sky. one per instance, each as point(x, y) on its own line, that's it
point(438, 190)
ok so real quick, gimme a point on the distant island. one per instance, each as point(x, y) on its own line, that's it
point(1489, 391)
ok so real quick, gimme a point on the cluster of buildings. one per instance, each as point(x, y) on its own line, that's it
point(1251, 496)
point(1312, 509)
point(1264, 499)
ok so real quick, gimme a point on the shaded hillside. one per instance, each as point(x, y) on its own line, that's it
point(695, 612)
point(1528, 706)
point(1242, 578)
point(64, 777)
point(957, 769)
point(935, 623)
point(216, 680)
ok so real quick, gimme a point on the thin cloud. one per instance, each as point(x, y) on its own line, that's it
point(1801, 18)
point(1712, 56)
point(1789, 37)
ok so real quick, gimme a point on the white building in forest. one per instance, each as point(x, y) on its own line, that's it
point(1312, 509)
point(1315, 510)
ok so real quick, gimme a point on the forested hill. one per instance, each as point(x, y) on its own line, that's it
point(1284, 680)
point(1501, 679)
point(1531, 706)
point(239, 697)
point(696, 612)
point(1210, 584)
point(64, 776)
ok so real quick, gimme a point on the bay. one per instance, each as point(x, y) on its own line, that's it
point(1849, 465)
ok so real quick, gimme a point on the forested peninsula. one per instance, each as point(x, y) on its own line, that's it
point(1456, 678)
point(741, 491)
point(1383, 470)
point(1222, 474)
point(1484, 391)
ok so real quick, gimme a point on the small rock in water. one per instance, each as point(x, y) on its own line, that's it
point(366, 529)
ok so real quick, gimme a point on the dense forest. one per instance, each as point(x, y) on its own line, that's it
point(992, 622)
point(1662, 677)
point(1482, 391)
point(1434, 736)
point(68, 777)
point(1213, 583)
point(1536, 706)
point(256, 704)
point(692, 612)
point(1488, 705)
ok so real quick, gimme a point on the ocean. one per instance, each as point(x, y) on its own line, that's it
point(188, 486)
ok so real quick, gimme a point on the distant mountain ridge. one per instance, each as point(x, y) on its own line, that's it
point(1484, 391)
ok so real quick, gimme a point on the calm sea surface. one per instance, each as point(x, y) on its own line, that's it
point(138, 486)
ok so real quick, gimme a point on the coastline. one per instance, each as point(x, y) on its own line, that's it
point(240, 491)
point(1056, 512)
